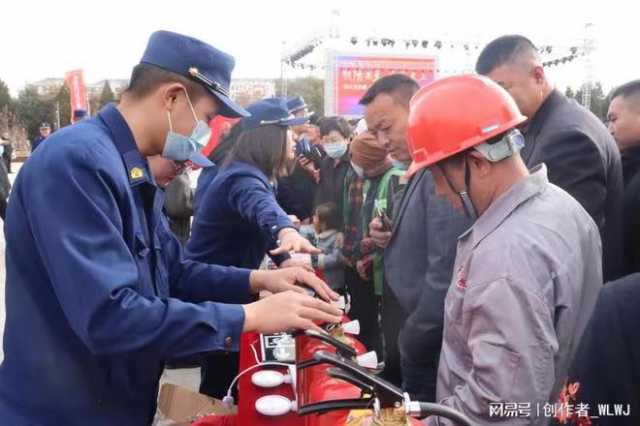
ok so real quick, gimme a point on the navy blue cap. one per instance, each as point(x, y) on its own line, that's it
point(271, 111)
point(197, 60)
point(79, 114)
point(296, 104)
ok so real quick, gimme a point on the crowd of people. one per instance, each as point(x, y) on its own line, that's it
point(473, 224)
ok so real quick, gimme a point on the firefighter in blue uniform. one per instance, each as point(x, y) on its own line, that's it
point(98, 293)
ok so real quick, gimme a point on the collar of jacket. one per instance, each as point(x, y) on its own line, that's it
point(540, 117)
point(241, 168)
point(134, 162)
point(502, 207)
point(409, 188)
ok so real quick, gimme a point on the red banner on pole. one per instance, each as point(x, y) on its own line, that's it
point(77, 90)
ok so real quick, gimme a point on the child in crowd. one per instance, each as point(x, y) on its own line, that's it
point(325, 234)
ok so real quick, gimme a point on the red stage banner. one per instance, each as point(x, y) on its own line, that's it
point(350, 75)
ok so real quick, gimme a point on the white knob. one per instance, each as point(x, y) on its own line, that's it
point(368, 360)
point(267, 378)
point(274, 405)
point(351, 327)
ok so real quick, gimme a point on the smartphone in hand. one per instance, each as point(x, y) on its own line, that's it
point(384, 219)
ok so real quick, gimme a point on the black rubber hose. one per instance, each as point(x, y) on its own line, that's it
point(340, 404)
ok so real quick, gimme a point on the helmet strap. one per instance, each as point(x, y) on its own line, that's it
point(469, 208)
point(467, 204)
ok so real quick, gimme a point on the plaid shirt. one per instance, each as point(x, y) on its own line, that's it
point(352, 211)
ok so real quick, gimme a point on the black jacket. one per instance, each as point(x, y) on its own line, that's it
point(606, 365)
point(418, 264)
point(583, 159)
point(5, 187)
point(296, 193)
point(178, 204)
point(631, 211)
point(36, 142)
point(331, 185)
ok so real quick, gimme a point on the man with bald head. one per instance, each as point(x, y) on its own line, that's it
point(580, 154)
point(624, 124)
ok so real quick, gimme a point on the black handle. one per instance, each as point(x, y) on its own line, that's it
point(338, 404)
point(341, 348)
point(338, 373)
point(307, 363)
point(385, 391)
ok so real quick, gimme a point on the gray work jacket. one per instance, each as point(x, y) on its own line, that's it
point(526, 278)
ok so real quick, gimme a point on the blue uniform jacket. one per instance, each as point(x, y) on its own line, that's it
point(238, 219)
point(36, 142)
point(98, 293)
point(207, 175)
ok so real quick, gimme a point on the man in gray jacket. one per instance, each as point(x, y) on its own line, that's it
point(420, 247)
point(527, 273)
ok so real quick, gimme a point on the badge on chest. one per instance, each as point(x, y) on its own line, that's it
point(461, 277)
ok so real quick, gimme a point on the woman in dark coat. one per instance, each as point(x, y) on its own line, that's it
point(238, 220)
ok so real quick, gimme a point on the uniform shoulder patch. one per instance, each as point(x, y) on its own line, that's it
point(136, 173)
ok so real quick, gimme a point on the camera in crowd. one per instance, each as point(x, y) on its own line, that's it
point(311, 152)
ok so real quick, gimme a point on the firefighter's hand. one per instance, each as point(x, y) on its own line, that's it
point(378, 233)
point(288, 310)
point(290, 240)
point(290, 279)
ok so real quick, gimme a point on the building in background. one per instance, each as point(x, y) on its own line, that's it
point(48, 87)
point(117, 85)
point(246, 91)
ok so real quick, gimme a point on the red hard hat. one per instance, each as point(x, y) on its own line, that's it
point(457, 113)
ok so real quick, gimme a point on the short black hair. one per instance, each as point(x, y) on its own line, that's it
point(401, 86)
point(501, 51)
point(225, 144)
point(264, 147)
point(146, 78)
point(631, 88)
point(339, 124)
point(328, 215)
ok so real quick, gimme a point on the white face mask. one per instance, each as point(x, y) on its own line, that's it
point(335, 149)
point(179, 147)
point(359, 170)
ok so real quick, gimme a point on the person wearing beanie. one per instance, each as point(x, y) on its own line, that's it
point(374, 176)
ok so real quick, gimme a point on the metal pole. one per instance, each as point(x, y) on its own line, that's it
point(283, 78)
point(57, 115)
point(283, 71)
point(589, 47)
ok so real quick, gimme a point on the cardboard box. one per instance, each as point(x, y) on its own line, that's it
point(183, 406)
